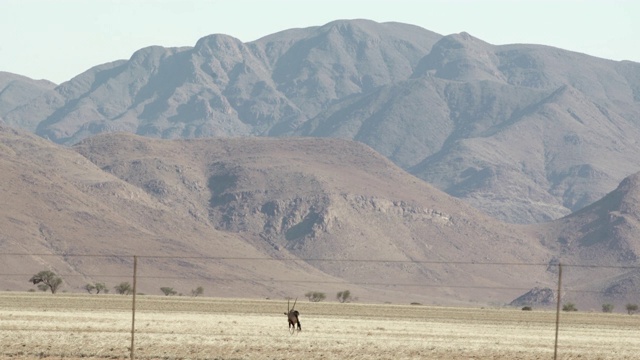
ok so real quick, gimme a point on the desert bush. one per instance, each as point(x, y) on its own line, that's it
point(631, 308)
point(569, 307)
point(607, 308)
point(344, 296)
point(89, 288)
point(101, 287)
point(527, 308)
point(315, 296)
point(198, 291)
point(124, 288)
point(168, 291)
point(47, 280)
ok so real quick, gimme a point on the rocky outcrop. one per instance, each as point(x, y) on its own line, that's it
point(535, 297)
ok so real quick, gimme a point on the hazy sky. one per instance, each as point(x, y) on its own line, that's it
point(58, 39)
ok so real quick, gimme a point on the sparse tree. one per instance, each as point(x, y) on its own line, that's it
point(569, 307)
point(47, 280)
point(315, 296)
point(632, 308)
point(89, 288)
point(101, 287)
point(344, 296)
point(168, 291)
point(124, 288)
point(607, 308)
point(197, 291)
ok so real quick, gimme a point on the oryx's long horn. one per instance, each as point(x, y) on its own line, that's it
point(294, 304)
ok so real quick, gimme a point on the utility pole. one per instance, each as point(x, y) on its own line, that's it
point(555, 347)
point(133, 306)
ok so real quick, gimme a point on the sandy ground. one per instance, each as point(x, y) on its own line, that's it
point(35, 326)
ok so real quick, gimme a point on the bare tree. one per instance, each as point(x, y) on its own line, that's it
point(47, 280)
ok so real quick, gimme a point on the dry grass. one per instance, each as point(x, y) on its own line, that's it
point(83, 326)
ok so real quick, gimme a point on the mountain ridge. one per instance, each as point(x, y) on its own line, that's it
point(525, 118)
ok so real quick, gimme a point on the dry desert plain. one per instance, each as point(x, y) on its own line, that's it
point(83, 326)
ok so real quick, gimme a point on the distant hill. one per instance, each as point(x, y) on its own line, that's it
point(603, 235)
point(67, 215)
point(18, 91)
point(248, 198)
point(526, 133)
point(331, 215)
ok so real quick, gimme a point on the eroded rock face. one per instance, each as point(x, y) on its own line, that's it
point(536, 296)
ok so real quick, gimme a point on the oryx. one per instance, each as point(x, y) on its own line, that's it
point(293, 315)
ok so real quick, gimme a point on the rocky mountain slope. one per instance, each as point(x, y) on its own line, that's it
point(17, 91)
point(602, 241)
point(280, 217)
point(61, 212)
point(523, 132)
point(330, 214)
point(332, 201)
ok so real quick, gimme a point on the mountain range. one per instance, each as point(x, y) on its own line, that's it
point(520, 134)
point(523, 132)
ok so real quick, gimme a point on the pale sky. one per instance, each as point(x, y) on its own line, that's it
point(58, 39)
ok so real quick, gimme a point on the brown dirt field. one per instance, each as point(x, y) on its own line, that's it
point(65, 326)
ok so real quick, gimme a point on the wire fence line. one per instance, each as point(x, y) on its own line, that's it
point(132, 266)
point(128, 274)
point(391, 261)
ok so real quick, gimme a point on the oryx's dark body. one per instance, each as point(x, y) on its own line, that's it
point(293, 315)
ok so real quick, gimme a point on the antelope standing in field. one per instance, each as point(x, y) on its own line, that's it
point(292, 316)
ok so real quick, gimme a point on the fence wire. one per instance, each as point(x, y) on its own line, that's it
point(144, 331)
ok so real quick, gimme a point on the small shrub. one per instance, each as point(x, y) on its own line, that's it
point(101, 287)
point(344, 296)
point(199, 291)
point(89, 288)
point(632, 308)
point(124, 288)
point(416, 303)
point(569, 307)
point(607, 308)
point(315, 296)
point(168, 291)
point(527, 308)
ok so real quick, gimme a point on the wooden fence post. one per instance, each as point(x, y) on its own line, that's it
point(133, 307)
point(555, 347)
